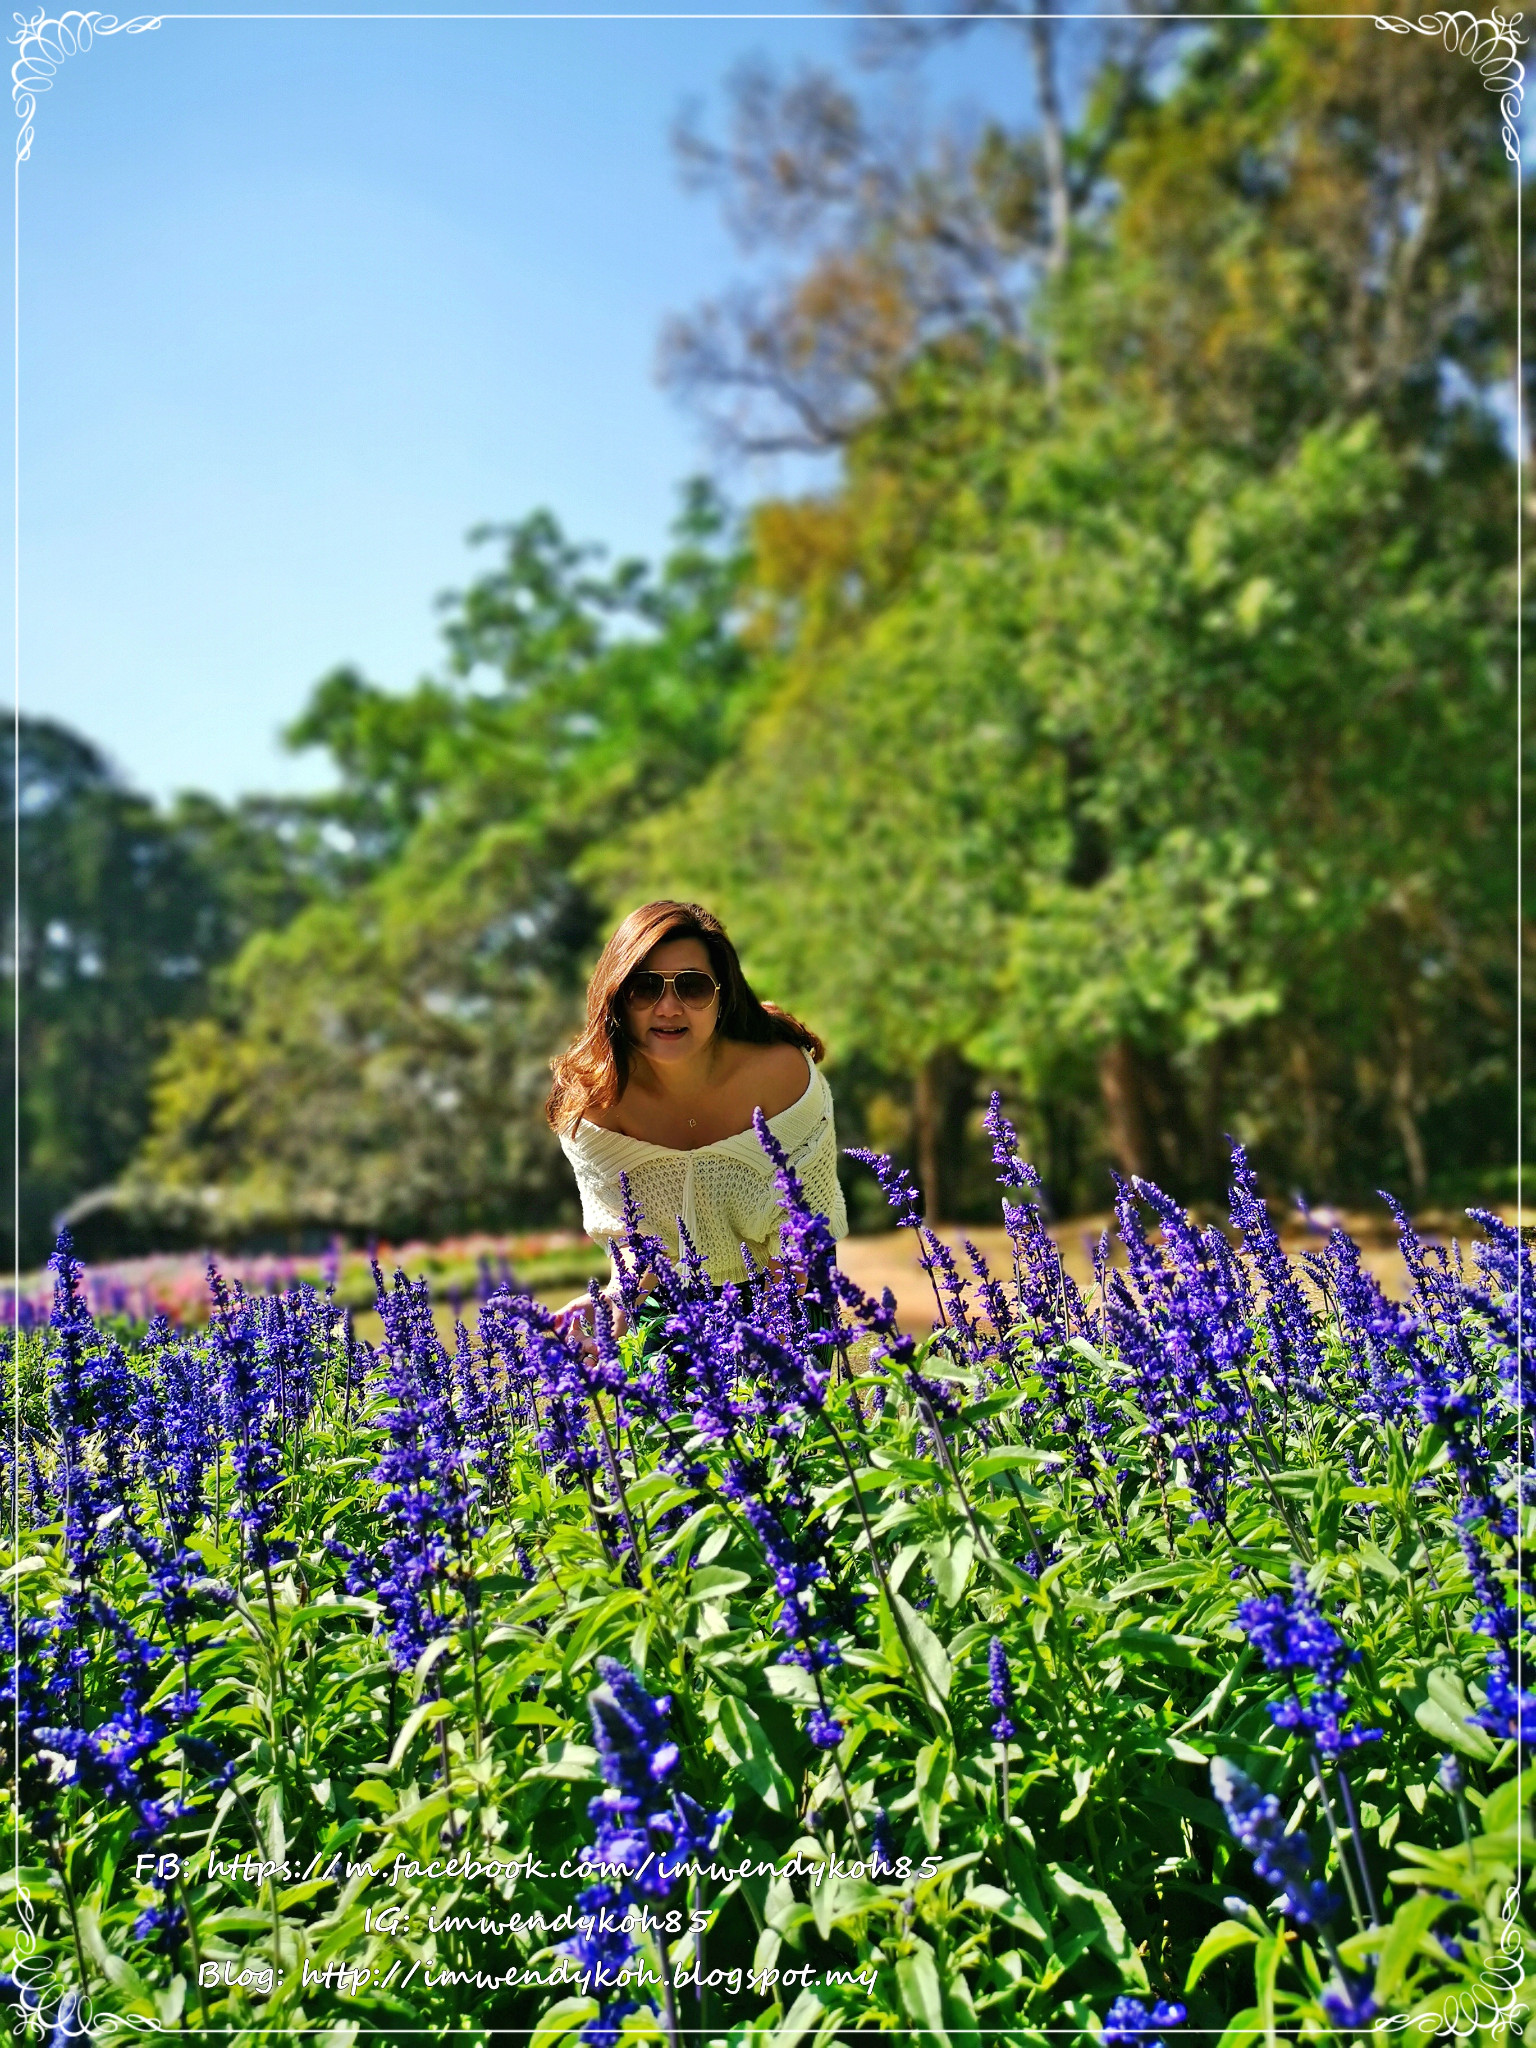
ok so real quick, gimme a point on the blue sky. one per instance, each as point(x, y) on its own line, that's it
point(302, 301)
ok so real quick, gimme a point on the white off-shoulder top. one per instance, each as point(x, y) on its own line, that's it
point(724, 1192)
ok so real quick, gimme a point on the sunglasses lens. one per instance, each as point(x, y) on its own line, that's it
point(696, 990)
point(645, 988)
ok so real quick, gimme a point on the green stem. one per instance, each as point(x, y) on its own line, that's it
point(919, 1678)
point(62, 1867)
point(192, 1941)
point(618, 1478)
point(1338, 1844)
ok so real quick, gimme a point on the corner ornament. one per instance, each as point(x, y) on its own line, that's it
point(1491, 43)
point(43, 42)
point(42, 2005)
point(1491, 2008)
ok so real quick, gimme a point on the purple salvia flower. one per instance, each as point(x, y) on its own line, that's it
point(993, 1299)
point(824, 1730)
point(1014, 1171)
point(1131, 2024)
point(1349, 2004)
point(248, 1412)
point(1000, 1681)
point(1185, 1335)
point(896, 1184)
point(646, 1833)
point(1296, 1345)
point(1510, 1714)
point(1375, 1331)
point(882, 1851)
point(1295, 1637)
point(939, 1262)
point(1280, 1858)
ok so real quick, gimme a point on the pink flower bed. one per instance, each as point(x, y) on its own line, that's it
point(175, 1284)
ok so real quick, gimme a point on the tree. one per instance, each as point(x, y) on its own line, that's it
point(382, 1063)
point(1135, 739)
point(873, 249)
point(1317, 220)
point(125, 912)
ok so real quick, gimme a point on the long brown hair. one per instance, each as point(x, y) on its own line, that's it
point(592, 1073)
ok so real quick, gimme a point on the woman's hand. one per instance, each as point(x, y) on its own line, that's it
point(575, 1318)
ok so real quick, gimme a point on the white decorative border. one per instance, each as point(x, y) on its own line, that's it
point(1482, 2006)
point(44, 41)
point(1491, 44)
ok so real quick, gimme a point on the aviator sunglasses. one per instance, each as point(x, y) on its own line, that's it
point(695, 989)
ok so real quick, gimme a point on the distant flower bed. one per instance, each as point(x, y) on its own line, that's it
point(462, 1269)
point(1132, 1665)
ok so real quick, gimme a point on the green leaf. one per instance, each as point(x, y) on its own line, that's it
point(804, 2014)
point(901, 1564)
point(922, 1998)
point(575, 1761)
point(1082, 1785)
point(1089, 1910)
point(932, 1657)
point(791, 1682)
point(1222, 1939)
point(1248, 2026)
point(1377, 1561)
point(935, 1761)
point(1178, 1572)
point(716, 1581)
point(743, 1741)
point(434, 1653)
point(950, 1560)
point(376, 1793)
point(923, 1471)
point(1438, 1702)
point(1266, 1967)
point(1009, 1459)
point(1410, 1923)
point(1134, 1643)
point(427, 1715)
point(682, 1539)
point(562, 2020)
point(1501, 1809)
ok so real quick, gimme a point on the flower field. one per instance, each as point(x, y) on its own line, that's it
point(1131, 1663)
point(460, 1270)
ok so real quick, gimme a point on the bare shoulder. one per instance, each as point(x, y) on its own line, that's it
point(774, 1076)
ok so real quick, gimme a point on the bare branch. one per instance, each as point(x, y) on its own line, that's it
point(890, 247)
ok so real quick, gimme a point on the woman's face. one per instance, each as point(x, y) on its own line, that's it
point(668, 1030)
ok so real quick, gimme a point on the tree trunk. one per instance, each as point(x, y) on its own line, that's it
point(1125, 1109)
point(941, 1101)
point(1215, 1162)
point(1403, 1108)
point(1053, 136)
point(1053, 148)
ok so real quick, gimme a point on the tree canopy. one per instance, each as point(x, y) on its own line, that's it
point(381, 1062)
point(126, 913)
point(1146, 728)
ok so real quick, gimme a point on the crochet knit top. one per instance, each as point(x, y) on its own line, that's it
point(724, 1192)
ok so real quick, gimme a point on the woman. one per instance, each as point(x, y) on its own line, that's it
point(661, 1085)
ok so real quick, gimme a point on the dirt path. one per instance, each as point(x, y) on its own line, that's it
point(889, 1259)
